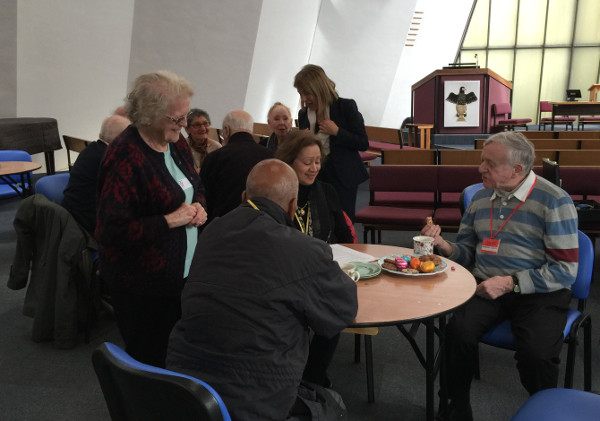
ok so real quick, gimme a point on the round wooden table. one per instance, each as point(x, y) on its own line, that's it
point(22, 169)
point(389, 299)
point(395, 300)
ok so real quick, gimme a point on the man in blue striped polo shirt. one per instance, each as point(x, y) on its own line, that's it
point(519, 237)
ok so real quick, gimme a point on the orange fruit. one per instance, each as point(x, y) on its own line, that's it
point(415, 263)
point(427, 267)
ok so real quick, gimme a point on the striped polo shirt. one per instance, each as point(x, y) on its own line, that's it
point(538, 244)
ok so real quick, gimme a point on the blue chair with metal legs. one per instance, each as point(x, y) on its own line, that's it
point(560, 405)
point(137, 391)
point(501, 335)
point(52, 186)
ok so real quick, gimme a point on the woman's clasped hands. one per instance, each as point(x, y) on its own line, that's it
point(186, 214)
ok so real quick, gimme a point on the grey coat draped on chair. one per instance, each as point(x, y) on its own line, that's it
point(53, 247)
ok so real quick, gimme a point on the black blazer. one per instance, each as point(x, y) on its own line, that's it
point(224, 172)
point(344, 162)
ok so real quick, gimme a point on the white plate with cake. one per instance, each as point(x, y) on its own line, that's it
point(399, 264)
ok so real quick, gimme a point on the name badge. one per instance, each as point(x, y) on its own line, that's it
point(490, 246)
point(184, 183)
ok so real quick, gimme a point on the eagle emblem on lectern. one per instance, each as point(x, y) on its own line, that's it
point(461, 100)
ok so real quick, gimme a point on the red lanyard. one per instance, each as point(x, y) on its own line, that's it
point(492, 235)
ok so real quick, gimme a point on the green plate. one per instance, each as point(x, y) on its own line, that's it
point(367, 270)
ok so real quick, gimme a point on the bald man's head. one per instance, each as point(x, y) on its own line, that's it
point(112, 127)
point(274, 180)
point(120, 110)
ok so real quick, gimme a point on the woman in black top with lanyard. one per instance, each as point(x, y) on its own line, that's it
point(340, 127)
point(318, 212)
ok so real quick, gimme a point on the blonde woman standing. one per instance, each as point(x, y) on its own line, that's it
point(340, 127)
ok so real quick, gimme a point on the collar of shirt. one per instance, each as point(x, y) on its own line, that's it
point(520, 192)
point(312, 117)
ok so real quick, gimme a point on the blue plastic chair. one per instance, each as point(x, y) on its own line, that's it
point(560, 405)
point(501, 335)
point(52, 186)
point(137, 391)
point(466, 196)
point(12, 155)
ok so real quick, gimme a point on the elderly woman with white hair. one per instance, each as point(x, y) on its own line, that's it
point(279, 119)
point(149, 208)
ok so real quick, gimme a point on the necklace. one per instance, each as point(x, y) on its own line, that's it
point(301, 211)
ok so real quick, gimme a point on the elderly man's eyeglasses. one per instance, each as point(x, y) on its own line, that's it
point(176, 120)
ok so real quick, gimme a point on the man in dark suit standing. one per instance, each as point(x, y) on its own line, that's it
point(225, 170)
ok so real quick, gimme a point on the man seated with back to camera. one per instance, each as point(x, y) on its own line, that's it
point(224, 171)
point(80, 194)
point(519, 236)
point(256, 287)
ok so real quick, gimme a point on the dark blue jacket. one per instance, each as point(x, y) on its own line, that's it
point(80, 194)
point(344, 162)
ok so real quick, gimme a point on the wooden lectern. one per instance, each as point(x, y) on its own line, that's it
point(594, 92)
point(428, 100)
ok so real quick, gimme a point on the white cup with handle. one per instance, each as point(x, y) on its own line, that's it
point(350, 270)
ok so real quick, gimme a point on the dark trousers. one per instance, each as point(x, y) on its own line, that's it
point(145, 323)
point(320, 355)
point(538, 321)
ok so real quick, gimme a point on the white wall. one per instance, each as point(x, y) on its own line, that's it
point(210, 42)
point(359, 44)
point(283, 45)
point(72, 63)
point(436, 45)
point(8, 58)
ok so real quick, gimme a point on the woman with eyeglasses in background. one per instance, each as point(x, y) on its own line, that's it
point(148, 214)
point(198, 127)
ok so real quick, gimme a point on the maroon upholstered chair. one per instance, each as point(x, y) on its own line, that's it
point(452, 180)
point(587, 119)
point(367, 157)
point(580, 182)
point(400, 181)
point(545, 107)
point(382, 138)
point(502, 120)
